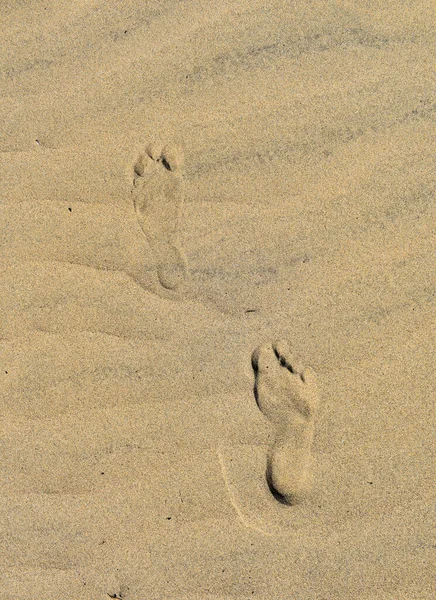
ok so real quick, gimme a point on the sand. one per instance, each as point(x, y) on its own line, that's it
point(136, 285)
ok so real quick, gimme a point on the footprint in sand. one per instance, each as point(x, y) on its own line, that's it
point(158, 200)
point(287, 394)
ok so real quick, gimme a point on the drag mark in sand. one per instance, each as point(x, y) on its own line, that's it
point(233, 499)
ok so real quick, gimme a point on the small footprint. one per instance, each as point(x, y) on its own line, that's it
point(158, 199)
point(287, 394)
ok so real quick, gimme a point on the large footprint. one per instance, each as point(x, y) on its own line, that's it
point(158, 200)
point(287, 394)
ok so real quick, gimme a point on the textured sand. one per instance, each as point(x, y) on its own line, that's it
point(132, 450)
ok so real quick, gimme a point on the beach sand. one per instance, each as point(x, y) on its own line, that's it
point(182, 183)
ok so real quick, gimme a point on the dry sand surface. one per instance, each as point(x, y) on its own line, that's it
point(162, 436)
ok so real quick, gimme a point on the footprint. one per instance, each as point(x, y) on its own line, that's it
point(287, 394)
point(158, 200)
